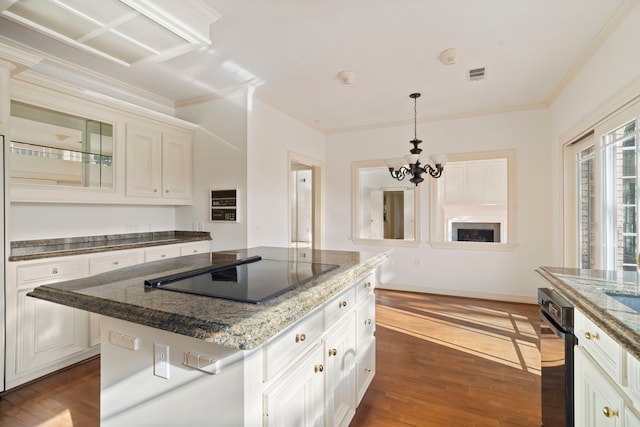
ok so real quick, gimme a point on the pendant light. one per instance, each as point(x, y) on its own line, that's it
point(414, 168)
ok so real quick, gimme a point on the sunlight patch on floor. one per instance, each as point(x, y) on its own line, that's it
point(62, 419)
point(494, 335)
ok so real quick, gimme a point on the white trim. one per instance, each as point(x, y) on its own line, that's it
point(436, 220)
point(493, 296)
point(355, 210)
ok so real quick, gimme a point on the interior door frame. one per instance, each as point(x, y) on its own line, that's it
point(317, 191)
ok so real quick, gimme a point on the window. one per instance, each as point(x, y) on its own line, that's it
point(606, 174)
point(473, 203)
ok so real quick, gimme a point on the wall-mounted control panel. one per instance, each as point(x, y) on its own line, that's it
point(224, 205)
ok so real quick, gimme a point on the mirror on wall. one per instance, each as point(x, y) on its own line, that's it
point(53, 148)
point(385, 211)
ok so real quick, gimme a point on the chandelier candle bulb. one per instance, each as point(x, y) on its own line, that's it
point(414, 168)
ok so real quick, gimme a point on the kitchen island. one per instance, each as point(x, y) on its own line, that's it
point(171, 358)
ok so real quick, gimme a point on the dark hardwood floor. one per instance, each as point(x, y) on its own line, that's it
point(441, 361)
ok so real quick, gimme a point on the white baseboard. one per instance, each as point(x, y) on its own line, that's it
point(526, 299)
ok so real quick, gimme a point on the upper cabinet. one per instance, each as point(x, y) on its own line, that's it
point(158, 164)
point(67, 148)
point(52, 148)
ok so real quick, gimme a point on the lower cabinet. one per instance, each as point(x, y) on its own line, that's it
point(297, 399)
point(605, 379)
point(43, 337)
point(340, 361)
point(598, 403)
point(340, 356)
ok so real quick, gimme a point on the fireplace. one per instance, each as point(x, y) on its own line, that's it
point(485, 232)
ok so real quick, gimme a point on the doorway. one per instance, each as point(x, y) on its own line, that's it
point(305, 202)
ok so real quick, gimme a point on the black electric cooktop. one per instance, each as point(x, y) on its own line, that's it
point(253, 280)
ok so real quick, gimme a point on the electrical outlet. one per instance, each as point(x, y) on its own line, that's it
point(161, 360)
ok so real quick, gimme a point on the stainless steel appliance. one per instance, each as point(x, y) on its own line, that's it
point(252, 279)
point(556, 356)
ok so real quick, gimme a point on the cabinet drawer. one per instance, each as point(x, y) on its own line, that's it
point(366, 320)
point(600, 346)
point(50, 272)
point(195, 248)
point(163, 252)
point(338, 306)
point(365, 287)
point(282, 350)
point(101, 264)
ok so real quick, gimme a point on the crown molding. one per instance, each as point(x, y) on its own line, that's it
point(20, 58)
point(445, 117)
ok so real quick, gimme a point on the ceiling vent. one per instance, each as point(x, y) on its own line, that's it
point(476, 74)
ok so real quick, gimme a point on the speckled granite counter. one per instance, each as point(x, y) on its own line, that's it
point(587, 291)
point(121, 294)
point(50, 248)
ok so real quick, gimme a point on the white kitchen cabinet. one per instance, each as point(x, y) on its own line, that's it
point(297, 399)
point(42, 336)
point(340, 357)
point(597, 402)
point(195, 248)
point(158, 164)
point(606, 379)
point(631, 418)
point(161, 252)
point(346, 349)
point(365, 336)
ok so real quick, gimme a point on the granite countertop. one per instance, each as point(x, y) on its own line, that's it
point(49, 248)
point(587, 291)
point(121, 294)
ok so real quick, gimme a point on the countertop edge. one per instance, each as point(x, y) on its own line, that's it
point(627, 338)
point(179, 238)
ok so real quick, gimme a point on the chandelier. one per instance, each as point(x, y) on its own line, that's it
point(415, 169)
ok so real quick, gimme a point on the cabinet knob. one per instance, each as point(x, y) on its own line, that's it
point(367, 285)
point(342, 304)
point(163, 255)
point(155, 190)
point(318, 368)
point(54, 271)
point(591, 335)
point(367, 370)
point(609, 412)
point(300, 337)
point(115, 262)
point(333, 352)
point(166, 191)
point(367, 322)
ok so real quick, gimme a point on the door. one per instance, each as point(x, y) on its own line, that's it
point(306, 196)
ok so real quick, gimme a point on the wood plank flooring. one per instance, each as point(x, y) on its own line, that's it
point(446, 361)
point(441, 361)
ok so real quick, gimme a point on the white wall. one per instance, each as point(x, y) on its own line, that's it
point(611, 76)
point(272, 135)
point(29, 221)
point(219, 162)
point(500, 275)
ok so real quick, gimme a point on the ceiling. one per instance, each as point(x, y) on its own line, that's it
point(290, 52)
